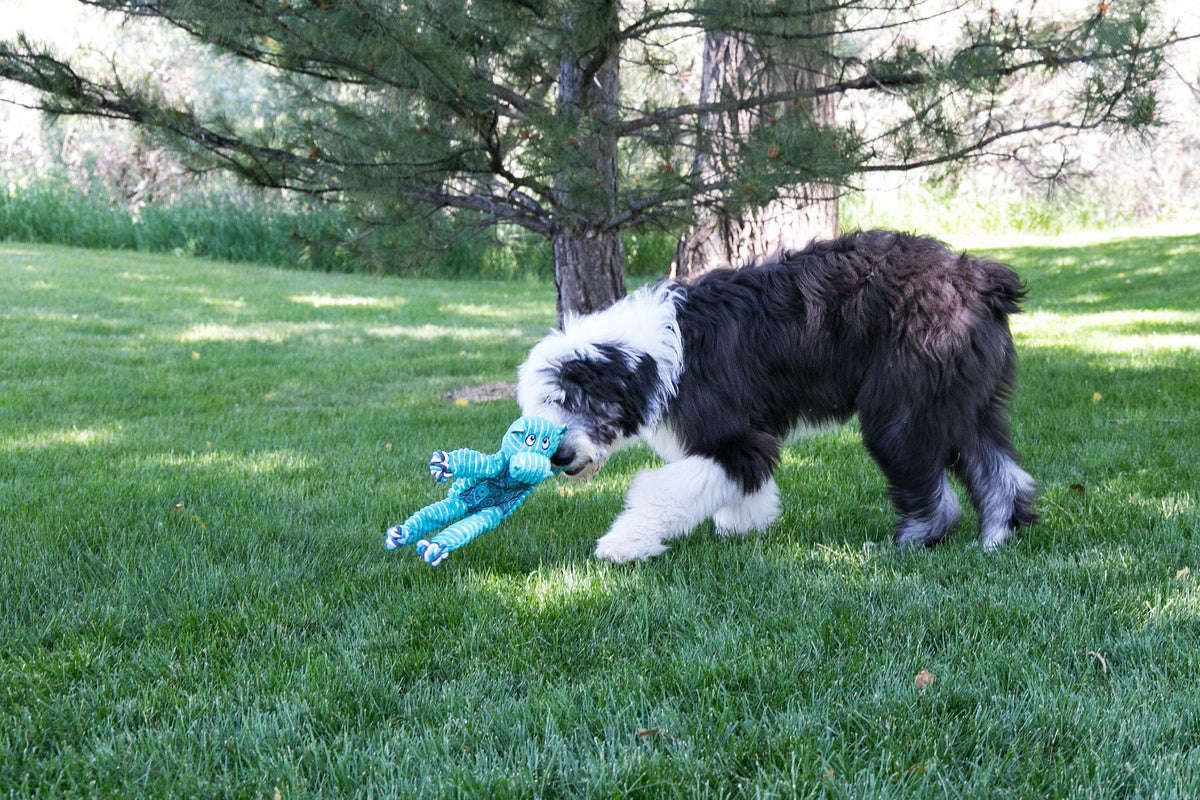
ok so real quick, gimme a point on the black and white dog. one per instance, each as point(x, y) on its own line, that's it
point(716, 374)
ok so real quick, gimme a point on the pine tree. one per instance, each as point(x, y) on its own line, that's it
point(796, 59)
point(525, 112)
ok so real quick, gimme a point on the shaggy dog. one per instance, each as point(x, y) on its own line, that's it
point(716, 374)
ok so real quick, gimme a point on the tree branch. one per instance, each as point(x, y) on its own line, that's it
point(871, 81)
point(498, 209)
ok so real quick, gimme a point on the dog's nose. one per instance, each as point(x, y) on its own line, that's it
point(564, 456)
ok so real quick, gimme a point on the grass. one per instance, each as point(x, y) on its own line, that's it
point(207, 222)
point(216, 220)
point(199, 460)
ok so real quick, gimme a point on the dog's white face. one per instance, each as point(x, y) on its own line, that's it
point(605, 376)
point(541, 393)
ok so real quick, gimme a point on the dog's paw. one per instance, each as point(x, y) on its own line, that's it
point(735, 521)
point(623, 552)
point(751, 514)
point(623, 543)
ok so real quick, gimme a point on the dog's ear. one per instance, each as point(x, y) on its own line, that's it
point(582, 380)
point(611, 388)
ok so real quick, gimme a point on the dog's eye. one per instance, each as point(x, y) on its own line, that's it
point(531, 440)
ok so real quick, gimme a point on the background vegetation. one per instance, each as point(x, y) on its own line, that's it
point(99, 183)
point(222, 221)
point(199, 460)
point(578, 119)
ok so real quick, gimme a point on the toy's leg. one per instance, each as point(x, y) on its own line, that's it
point(429, 518)
point(435, 550)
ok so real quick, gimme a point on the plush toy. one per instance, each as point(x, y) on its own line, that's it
point(486, 488)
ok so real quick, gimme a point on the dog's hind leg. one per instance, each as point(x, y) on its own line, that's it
point(666, 503)
point(1001, 491)
point(749, 512)
point(926, 515)
point(917, 483)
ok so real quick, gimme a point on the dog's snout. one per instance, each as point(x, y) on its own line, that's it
point(564, 456)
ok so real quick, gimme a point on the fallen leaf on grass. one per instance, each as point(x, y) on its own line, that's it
point(650, 733)
point(1183, 573)
point(925, 679)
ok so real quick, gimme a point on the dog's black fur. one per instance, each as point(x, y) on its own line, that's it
point(911, 336)
point(899, 329)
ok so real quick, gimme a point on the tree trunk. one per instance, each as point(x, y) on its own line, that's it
point(588, 271)
point(732, 65)
point(589, 255)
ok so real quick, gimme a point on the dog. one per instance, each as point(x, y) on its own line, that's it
point(718, 373)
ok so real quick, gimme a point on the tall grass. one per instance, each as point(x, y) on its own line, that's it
point(951, 212)
point(221, 221)
point(198, 461)
point(223, 225)
point(240, 225)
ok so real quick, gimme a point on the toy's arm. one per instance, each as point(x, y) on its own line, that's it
point(464, 464)
point(531, 468)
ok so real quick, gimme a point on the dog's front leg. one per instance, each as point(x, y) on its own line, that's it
point(666, 503)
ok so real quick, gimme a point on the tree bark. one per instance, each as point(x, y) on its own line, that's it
point(588, 271)
point(589, 254)
point(731, 65)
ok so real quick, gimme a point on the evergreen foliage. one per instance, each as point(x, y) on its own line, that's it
point(571, 118)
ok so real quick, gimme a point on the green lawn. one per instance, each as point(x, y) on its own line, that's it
point(199, 460)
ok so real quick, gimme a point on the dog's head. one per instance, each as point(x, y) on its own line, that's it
point(599, 395)
point(604, 376)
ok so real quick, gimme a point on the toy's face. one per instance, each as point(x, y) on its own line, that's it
point(532, 435)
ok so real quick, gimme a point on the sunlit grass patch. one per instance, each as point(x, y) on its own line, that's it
point(254, 332)
point(1135, 333)
point(231, 463)
point(317, 300)
point(198, 461)
point(431, 332)
point(70, 437)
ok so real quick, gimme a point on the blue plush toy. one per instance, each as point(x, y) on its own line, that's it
point(486, 488)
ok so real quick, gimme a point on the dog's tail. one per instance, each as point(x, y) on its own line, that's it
point(1001, 286)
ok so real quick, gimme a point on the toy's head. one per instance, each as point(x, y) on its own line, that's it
point(532, 435)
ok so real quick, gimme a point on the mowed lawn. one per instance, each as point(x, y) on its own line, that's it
point(198, 462)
